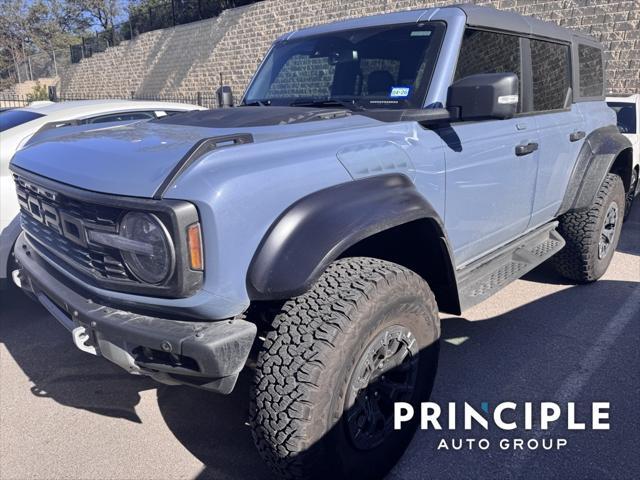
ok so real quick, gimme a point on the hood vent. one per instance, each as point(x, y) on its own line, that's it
point(202, 147)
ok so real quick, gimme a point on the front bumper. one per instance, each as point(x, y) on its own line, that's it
point(208, 355)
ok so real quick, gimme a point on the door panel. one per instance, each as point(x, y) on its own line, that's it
point(557, 156)
point(489, 189)
point(561, 130)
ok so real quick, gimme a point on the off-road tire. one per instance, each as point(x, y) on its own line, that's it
point(305, 368)
point(578, 260)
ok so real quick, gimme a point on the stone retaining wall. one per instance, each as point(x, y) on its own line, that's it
point(195, 57)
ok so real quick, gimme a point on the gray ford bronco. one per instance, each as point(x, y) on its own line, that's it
point(376, 172)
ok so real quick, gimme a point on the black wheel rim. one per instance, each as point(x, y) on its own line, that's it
point(608, 232)
point(386, 373)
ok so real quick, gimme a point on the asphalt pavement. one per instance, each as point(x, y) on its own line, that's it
point(67, 414)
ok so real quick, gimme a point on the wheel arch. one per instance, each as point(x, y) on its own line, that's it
point(383, 217)
point(425, 251)
point(623, 166)
point(605, 150)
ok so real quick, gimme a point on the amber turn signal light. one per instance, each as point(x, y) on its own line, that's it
point(194, 242)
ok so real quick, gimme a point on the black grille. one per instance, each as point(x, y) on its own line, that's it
point(58, 218)
point(50, 218)
point(102, 264)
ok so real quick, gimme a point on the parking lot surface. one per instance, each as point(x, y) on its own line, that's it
point(67, 414)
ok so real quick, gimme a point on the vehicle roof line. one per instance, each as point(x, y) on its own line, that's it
point(431, 12)
point(476, 15)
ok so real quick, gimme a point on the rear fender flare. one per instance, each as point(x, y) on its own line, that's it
point(599, 150)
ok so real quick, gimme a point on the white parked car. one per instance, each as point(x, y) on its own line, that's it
point(627, 109)
point(20, 125)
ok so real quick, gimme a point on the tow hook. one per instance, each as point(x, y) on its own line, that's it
point(15, 275)
point(80, 337)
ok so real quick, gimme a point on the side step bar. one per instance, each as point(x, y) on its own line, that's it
point(484, 277)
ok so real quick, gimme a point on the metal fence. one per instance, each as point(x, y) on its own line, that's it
point(35, 66)
point(204, 99)
point(14, 101)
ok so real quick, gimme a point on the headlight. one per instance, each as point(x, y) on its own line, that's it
point(154, 264)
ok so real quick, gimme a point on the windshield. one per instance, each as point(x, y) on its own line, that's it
point(13, 118)
point(626, 113)
point(385, 66)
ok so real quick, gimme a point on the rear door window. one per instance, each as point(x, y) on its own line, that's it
point(551, 76)
point(590, 71)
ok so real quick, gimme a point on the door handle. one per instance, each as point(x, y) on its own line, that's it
point(577, 135)
point(526, 149)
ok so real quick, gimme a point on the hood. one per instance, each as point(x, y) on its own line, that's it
point(136, 159)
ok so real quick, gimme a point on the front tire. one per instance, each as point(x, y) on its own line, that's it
point(592, 235)
point(364, 336)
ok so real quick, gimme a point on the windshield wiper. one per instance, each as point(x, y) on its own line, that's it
point(329, 102)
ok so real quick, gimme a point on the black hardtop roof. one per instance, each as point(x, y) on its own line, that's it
point(475, 16)
point(479, 16)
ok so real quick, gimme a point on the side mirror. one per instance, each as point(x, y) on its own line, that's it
point(225, 96)
point(485, 95)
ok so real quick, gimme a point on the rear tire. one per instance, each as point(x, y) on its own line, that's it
point(592, 235)
point(323, 397)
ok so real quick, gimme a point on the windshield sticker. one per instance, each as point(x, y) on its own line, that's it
point(399, 92)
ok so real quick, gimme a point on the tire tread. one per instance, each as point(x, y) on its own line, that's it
point(576, 261)
point(302, 344)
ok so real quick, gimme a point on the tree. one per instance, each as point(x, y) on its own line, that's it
point(12, 32)
point(28, 27)
point(100, 13)
point(50, 25)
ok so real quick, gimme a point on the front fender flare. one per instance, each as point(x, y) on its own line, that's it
point(318, 228)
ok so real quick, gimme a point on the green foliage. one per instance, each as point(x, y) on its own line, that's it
point(95, 13)
point(29, 26)
point(39, 92)
point(12, 30)
point(51, 25)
